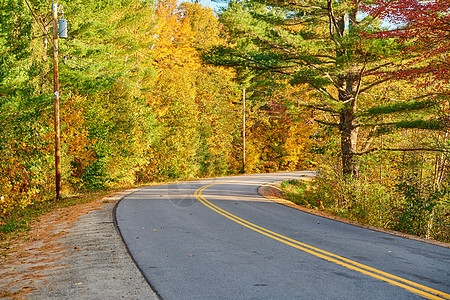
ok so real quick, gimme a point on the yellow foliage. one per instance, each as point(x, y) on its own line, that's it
point(75, 138)
point(173, 39)
point(19, 180)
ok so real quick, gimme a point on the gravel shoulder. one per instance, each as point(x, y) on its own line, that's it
point(74, 252)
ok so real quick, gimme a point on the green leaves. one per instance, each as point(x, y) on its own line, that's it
point(414, 214)
point(311, 76)
point(401, 107)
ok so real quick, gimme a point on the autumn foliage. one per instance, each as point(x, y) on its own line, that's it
point(153, 92)
point(138, 104)
point(423, 27)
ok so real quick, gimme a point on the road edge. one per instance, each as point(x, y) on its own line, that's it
point(272, 191)
point(119, 232)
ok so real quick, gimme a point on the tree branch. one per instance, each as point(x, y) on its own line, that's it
point(323, 109)
point(326, 123)
point(378, 67)
point(358, 88)
point(333, 19)
point(401, 149)
point(303, 6)
point(264, 66)
point(374, 84)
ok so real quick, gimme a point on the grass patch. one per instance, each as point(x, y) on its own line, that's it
point(297, 191)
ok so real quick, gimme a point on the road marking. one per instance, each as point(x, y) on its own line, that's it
point(411, 286)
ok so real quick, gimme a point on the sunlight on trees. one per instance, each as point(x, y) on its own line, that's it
point(152, 91)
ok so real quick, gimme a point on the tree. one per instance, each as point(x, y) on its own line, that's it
point(218, 123)
point(423, 28)
point(319, 43)
point(26, 89)
point(23, 131)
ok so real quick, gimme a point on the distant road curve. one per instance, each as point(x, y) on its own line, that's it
point(219, 239)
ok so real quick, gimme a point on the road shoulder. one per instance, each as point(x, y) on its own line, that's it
point(74, 252)
point(273, 192)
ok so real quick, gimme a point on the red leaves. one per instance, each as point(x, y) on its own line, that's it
point(425, 32)
point(408, 11)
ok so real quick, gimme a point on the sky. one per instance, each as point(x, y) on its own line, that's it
point(214, 5)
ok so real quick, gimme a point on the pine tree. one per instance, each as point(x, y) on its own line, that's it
point(320, 43)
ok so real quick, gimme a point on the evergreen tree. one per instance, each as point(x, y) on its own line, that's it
point(315, 42)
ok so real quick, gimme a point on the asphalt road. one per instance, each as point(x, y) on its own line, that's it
point(219, 239)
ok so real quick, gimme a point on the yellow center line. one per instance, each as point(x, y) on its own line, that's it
point(411, 286)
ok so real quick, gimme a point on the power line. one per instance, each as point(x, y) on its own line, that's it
point(124, 43)
point(41, 25)
point(97, 49)
point(138, 81)
point(119, 58)
point(144, 89)
point(127, 44)
point(161, 95)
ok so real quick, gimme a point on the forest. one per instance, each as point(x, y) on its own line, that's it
point(156, 91)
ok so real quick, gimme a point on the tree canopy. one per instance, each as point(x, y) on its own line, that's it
point(318, 43)
point(155, 91)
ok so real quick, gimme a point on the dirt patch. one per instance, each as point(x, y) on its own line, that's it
point(63, 253)
point(39, 250)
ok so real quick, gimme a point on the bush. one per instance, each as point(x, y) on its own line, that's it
point(421, 205)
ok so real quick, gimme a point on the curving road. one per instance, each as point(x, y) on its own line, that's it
point(219, 239)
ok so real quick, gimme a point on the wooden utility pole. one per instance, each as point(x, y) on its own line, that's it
point(243, 130)
point(56, 103)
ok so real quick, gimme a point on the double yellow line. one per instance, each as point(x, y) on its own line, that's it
point(411, 286)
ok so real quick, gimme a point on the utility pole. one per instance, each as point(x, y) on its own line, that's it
point(243, 130)
point(56, 103)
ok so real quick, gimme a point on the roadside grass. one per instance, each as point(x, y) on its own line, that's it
point(298, 192)
point(375, 205)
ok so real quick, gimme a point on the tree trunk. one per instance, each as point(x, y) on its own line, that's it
point(348, 90)
point(348, 125)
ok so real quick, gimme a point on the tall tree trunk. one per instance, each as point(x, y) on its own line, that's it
point(348, 93)
point(348, 124)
